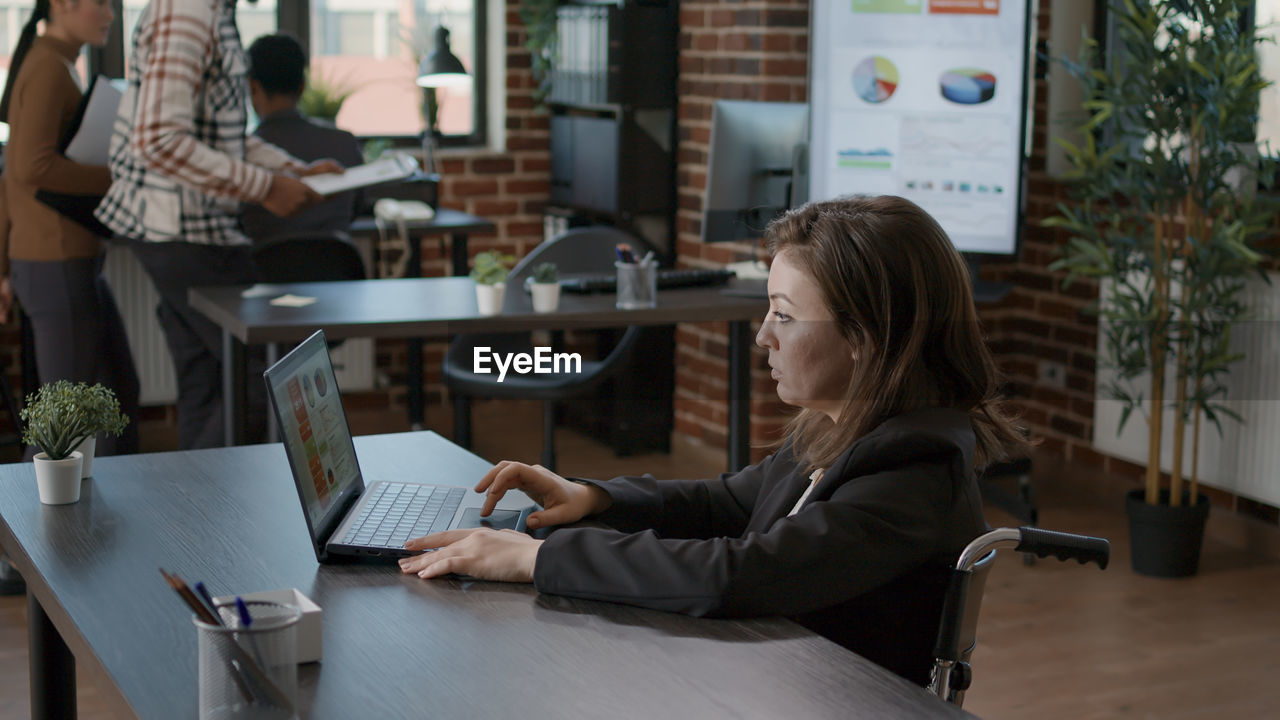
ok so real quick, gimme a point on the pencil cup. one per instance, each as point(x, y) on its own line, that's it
point(637, 285)
point(249, 671)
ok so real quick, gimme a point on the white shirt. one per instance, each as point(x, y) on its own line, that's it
point(813, 482)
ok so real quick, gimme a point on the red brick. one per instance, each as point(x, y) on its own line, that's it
point(785, 68)
point(460, 187)
point(776, 42)
point(692, 18)
point(493, 166)
point(535, 163)
point(539, 186)
point(494, 208)
point(721, 18)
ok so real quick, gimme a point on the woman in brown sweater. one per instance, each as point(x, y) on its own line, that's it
point(53, 263)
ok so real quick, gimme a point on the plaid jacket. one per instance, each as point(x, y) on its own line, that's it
point(180, 161)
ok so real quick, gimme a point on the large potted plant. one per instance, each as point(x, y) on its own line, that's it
point(57, 418)
point(1157, 220)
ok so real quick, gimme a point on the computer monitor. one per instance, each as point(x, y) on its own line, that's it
point(757, 166)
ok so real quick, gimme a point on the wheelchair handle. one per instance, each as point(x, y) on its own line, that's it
point(1041, 543)
point(1064, 546)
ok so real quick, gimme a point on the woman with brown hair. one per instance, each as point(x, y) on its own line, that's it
point(850, 526)
point(53, 263)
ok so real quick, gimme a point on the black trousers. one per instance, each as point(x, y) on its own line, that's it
point(194, 341)
point(79, 335)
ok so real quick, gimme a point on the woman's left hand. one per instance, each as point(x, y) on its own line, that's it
point(482, 553)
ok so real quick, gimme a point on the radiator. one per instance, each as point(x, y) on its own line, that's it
point(137, 298)
point(1245, 459)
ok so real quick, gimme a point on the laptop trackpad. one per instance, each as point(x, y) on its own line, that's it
point(498, 519)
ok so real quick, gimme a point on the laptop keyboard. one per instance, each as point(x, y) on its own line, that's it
point(400, 511)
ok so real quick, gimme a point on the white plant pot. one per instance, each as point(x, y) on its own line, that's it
point(489, 298)
point(87, 448)
point(546, 296)
point(58, 480)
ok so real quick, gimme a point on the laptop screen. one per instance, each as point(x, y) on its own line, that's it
point(316, 437)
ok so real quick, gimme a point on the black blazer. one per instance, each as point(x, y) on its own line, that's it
point(864, 562)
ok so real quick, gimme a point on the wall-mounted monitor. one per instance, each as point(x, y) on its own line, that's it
point(756, 166)
point(926, 99)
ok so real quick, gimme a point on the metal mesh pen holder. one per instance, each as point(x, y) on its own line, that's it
point(637, 285)
point(249, 672)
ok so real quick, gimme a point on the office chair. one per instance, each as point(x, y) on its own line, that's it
point(580, 250)
point(957, 631)
point(308, 258)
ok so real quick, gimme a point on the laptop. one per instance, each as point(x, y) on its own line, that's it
point(346, 518)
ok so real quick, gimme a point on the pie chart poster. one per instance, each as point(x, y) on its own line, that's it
point(925, 99)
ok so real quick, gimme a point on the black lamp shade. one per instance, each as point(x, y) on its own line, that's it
point(441, 67)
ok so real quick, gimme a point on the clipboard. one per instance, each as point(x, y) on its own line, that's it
point(390, 168)
point(88, 137)
point(86, 141)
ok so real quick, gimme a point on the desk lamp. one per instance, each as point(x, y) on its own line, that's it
point(440, 68)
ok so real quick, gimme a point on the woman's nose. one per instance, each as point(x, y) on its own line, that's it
point(764, 337)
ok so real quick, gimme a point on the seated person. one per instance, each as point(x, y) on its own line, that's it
point(277, 77)
point(849, 528)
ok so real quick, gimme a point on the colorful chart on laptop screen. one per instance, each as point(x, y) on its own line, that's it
point(875, 79)
point(967, 86)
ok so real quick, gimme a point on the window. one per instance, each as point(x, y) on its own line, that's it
point(372, 48)
point(1267, 15)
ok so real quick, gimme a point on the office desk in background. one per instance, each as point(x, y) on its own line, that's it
point(394, 646)
point(454, 224)
point(443, 307)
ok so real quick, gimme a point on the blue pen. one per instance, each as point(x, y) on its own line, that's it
point(245, 618)
point(203, 592)
point(624, 253)
point(245, 621)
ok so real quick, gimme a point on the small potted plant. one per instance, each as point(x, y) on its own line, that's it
point(545, 287)
point(57, 418)
point(490, 273)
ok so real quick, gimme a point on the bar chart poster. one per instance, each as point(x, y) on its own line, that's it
point(926, 99)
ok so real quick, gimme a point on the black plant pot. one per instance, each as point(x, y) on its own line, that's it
point(1166, 540)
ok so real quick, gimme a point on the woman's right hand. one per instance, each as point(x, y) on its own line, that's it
point(562, 501)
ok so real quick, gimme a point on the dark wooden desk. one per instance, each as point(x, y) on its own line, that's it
point(455, 224)
point(442, 307)
point(394, 646)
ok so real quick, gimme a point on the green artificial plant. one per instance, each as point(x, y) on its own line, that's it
point(539, 18)
point(60, 415)
point(545, 273)
point(491, 267)
point(323, 97)
point(1156, 217)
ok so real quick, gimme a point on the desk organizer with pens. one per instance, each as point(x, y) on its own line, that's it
point(637, 284)
point(248, 663)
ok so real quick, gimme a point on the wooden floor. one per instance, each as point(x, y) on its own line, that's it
point(1056, 640)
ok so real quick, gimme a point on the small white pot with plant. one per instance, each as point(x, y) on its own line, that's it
point(545, 288)
point(490, 273)
point(57, 418)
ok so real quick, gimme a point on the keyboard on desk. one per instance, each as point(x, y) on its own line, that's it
point(400, 511)
point(667, 279)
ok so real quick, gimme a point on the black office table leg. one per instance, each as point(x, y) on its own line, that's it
point(52, 667)
point(413, 346)
point(234, 397)
point(739, 394)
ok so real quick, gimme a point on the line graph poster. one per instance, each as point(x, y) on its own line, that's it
point(924, 99)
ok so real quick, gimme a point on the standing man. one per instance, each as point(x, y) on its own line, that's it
point(277, 77)
point(181, 165)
